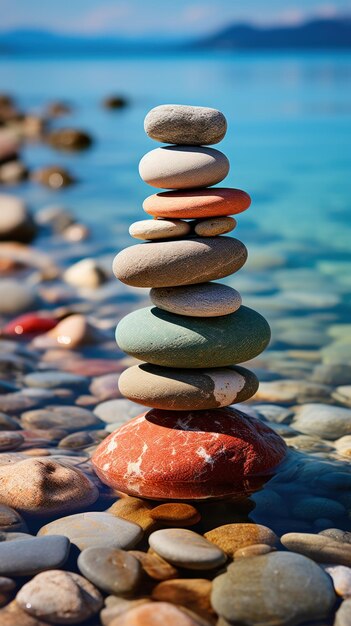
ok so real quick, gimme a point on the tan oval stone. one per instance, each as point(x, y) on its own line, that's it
point(183, 167)
point(215, 226)
point(232, 537)
point(194, 594)
point(134, 510)
point(175, 514)
point(193, 389)
point(182, 262)
point(203, 300)
point(159, 229)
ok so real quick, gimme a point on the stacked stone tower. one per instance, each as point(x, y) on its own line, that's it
point(197, 331)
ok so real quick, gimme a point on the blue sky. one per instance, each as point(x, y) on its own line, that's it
point(142, 18)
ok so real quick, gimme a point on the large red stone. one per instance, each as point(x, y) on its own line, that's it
point(185, 455)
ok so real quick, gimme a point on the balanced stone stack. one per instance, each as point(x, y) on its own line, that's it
point(191, 444)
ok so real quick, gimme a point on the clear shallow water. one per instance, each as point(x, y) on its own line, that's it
point(289, 122)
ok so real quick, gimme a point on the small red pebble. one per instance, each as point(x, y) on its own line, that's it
point(184, 455)
point(30, 324)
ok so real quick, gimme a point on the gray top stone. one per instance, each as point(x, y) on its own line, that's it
point(185, 124)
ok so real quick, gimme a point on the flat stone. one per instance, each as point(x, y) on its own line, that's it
point(194, 594)
point(45, 487)
point(134, 510)
point(114, 571)
point(10, 440)
point(15, 296)
point(54, 378)
point(178, 390)
point(343, 614)
point(335, 374)
point(342, 536)
point(326, 421)
point(8, 423)
point(232, 537)
point(184, 548)
point(72, 332)
point(183, 167)
point(10, 520)
point(27, 557)
point(179, 262)
point(154, 566)
point(104, 387)
point(256, 549)
point(215, 226)
point(307, 591)
point(95, 529)
point(159, 229)
point(216, 202)
point(30, 324)
point(292, 391)
point(320, 548)
point(165, 339)
point(203, 300)
point(60, 597)
point(185, 124)
point(215, 452)
point(165, 613)
point(175, 514)
point(53, 176)
point(69, 139)
point(69, 418)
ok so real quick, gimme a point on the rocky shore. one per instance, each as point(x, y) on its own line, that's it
point(74, 551)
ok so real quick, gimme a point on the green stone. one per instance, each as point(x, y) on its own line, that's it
point(163, 338)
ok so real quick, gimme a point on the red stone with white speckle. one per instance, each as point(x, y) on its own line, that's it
point(186, 455)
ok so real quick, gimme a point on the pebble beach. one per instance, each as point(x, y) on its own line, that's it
point(74, 550)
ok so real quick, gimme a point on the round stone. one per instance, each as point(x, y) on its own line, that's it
point(183, 167)
point(197, 204)
point(297, 588)
point(86, 273)
point(114, 571)
point(343, 614)
point(215, 226)
point(320, 548)
point(10, 520)
point(198, 455)
point(179, 262)
point(10, 440)
point(15, 296)
point(178, 390)
point(232, 537)
point(184, 124)
point(185, 548)
point(26, 557)
point(45, 487)
point(203, 300)
point(159, 229)
point(134, 510)
point(15, 222)
point(154, 566)
point(194, 594)
point(60, 597)
point(162, 338)
point(95, 529)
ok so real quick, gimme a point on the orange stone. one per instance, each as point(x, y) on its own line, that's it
point(197, 203)
point(175, 514)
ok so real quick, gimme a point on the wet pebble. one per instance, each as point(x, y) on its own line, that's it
point(187, 549)
point(292, 391)
point(54, 378)
point(320, 548)
point(114, 571)
point(69, 418)
point(323, 420)
point(308, 592)
point(193, 594)
point(30, 556)
point(231, 537)
point(95, 529)
point(60, 597)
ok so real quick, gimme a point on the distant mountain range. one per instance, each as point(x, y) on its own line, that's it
point(315, 34)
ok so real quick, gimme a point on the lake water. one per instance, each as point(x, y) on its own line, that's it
point(288, 141)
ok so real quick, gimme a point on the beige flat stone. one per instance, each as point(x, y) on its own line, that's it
point(159, 229)
point(203, 300)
